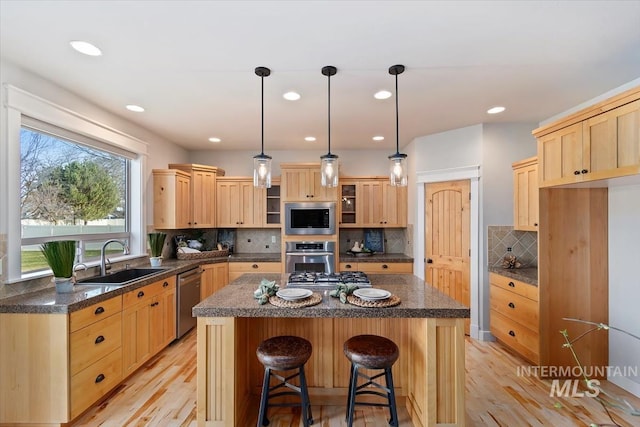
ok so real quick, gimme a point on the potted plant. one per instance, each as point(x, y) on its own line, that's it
point(156, 244)
point(60, 256)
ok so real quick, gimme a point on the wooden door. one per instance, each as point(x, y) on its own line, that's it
point(447, 239)
point(561, 156)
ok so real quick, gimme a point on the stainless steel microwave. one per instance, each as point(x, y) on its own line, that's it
point(310, 218)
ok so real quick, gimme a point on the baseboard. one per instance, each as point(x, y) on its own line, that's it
point(485, 336)
point(626, 384)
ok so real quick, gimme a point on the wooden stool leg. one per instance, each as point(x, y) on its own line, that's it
point(393, 411)
point(264, 399)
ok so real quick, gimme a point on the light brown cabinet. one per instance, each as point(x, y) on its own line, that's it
point(525, 194)
point(372, 202)
point(514, 315)
point(598, 143)
point(272, 205)
point(237, 269)
point(202, 213)
point(214, 277)
point(378, 267)
point(171, 199)
point(239, 204)
point(148, 322)
point(302, 182)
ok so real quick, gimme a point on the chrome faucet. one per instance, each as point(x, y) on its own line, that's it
point(103, 259)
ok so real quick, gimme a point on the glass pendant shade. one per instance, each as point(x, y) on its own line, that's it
point(262, 171)
point(329, 170)
point(398, 169)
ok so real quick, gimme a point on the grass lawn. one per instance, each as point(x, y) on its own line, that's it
point(34, 260)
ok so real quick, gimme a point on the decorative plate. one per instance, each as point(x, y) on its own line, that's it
point(293, 294)
point(371, 294)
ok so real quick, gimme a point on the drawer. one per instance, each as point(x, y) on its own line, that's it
point(521, 288)
point(90, 384)
point(386, 267)
point(146, 293)
point(81, 318)
point(521, 339)
point(94, 342)
point(515, 307)
point(348, 266)
point(255, 267)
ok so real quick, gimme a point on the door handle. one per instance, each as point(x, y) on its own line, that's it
point(429, 261)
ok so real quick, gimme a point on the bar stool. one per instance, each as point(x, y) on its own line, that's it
point(371, 352)
point(284, 353)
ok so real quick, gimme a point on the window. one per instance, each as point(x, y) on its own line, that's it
point(71, 188)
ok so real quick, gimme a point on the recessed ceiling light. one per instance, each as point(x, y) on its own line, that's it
point(495, 110)
point(135, 108)
point(85, 47)
point(310, 138)
point(291, 96)
point(383, 94)
point(214, 139)
point(378, 138)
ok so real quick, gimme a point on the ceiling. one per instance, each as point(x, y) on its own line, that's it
point(190, 64)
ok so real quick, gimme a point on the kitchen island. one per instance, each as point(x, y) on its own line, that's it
point(427, 325)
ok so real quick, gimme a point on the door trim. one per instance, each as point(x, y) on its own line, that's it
point(472, 173)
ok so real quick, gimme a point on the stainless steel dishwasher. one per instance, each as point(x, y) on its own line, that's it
point(188, 295)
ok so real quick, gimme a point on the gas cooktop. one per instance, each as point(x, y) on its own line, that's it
point(328, 280)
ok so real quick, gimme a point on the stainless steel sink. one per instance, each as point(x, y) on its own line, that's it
point(122, 277)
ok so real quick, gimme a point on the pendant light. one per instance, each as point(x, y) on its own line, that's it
point(329, 162)
point(398, 161)
point(262, 162)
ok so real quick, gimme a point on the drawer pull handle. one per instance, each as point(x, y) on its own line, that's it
point(385, 266)
point(513, 285)
point(348, 266)
point(140, 294)
point(99, 310)
point(100, 378)
point(584, 171)
point(513, 334)
point(512, 305)
point(576, 172)
point(254, 266)
point(165, 284)
point(99, 339)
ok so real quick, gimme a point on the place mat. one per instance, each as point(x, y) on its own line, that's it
point(305, 302)
point(389, 302)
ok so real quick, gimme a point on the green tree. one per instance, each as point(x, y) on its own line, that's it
point(87, 188)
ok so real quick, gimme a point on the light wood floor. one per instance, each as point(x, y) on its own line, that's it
point(163, 393)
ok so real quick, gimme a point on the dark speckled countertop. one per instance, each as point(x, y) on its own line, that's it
point(418, 301)
point(527, 275)
point(255, 257)
point(345, 257)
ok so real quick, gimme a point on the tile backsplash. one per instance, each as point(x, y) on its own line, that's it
point(395, 239)
point(523, 244)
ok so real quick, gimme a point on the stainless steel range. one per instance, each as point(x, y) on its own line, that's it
point(310, 257)
point(328, 280)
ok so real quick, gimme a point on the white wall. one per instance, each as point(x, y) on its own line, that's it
point(624, 282)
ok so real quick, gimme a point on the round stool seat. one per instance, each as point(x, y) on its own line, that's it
point(284, 352)
point(371, 351)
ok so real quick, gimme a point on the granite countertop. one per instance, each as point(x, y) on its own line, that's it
point(255, 257)
point(418, 301)
point(527, 275)
point(346, 257)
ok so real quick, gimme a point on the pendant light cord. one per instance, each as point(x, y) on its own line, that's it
point(329, 114)
point(397, 120)
point(262, 113)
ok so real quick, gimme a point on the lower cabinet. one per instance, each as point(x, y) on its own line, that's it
point(378, 267)
point(514, 315)
point(237, 269)
point(214, 277)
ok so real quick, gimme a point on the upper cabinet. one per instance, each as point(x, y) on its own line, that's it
point(171, 199)
point(372, 202)
point(301, 182)
point(202, 196)
point(525, 194)
point(600, 142)
point(239, 204)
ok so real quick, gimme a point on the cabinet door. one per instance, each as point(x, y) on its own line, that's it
point(395, 205)
point(156, 325)
point(183, 202)
point(136, 343)
point(317, 191)
point(612, 143)
point(560, 156)
point(371, 202)
point(251, 205)
point(228, 203)
point(525, 198)
point(272, 205)
point(348, 204)
point(214, 278)
point(202, 198)
point(171, 199)
point(295, 185)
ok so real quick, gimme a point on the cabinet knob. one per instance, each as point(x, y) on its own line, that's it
point(429, 261)
point(385, 266)
point(511, 284)
point(140, 294)
point(535, 224)
point(512, 305)
point(165, 284)
point(513, 334)
point(99, 339)
point(584, 171)
point(576, 172)
point(99, 310)
point(254, 266)
point(100, 378)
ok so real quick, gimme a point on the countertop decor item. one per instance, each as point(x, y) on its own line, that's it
point(267, 289)
point(342, 291)
point(373, 240)
point(156, 244)
point(60, 256)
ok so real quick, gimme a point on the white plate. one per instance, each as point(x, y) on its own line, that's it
point(293, 294)
point(371, 294)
